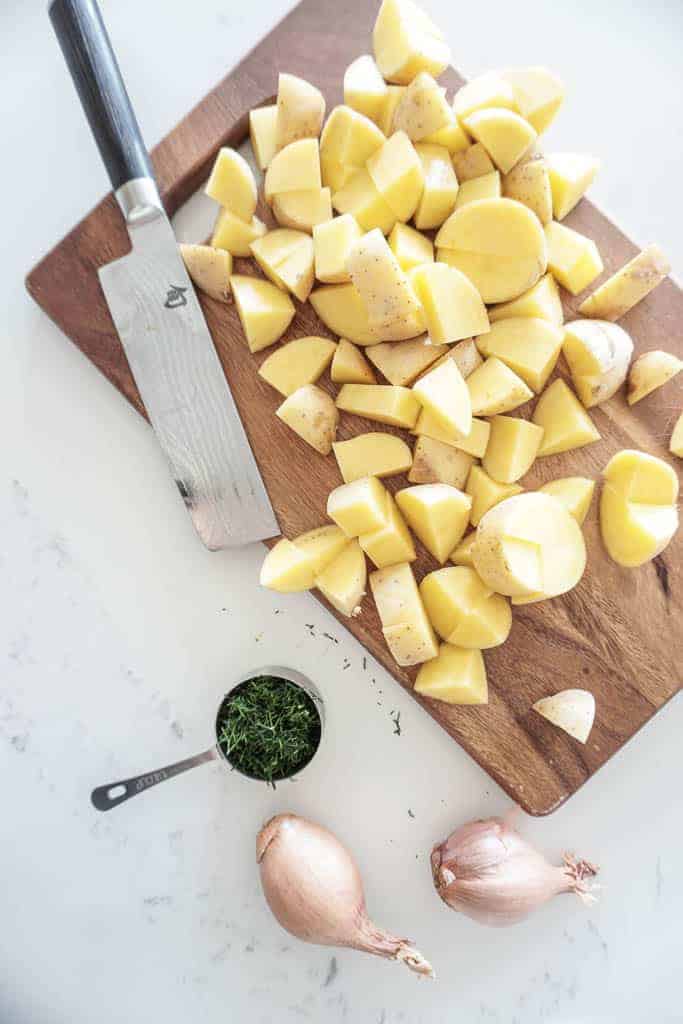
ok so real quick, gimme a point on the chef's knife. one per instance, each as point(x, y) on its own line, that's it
point(156, 312)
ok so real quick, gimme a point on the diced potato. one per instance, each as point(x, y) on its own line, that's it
point(349, 365)
point(452, 136)
point(466, 356)
point(264, 310)
point(297, 363)
point(472, 162)
point(286, 257)
point(437, 463)
point(650, 371)
point(486, 186)
point(381, 284)
point(405, 625)
point(347, 140)
point(598, 354)
point(391, 101)
point(628, 286)
point(300, 111)
point(642, 478)
point(303, 210)
point(411, 643)
point(402, 361)
point(321, 545)
point(566, 424)
point(422, 109)
point(406, 41)
point(638, 511)
point(410, 247)
point(474, 444)
point(485, 493)
point(529, 183)
point(332, 243)
point(455, 676)
point(209, 268)
point(361, 198)
point(538, 94)
point(494, 388)
point(236, 235)
point(463, 610)
point(444, 394)
point(296, 168)
point(286, 568)
point(570, 710)
point(391, 543)
point(573, 259)
point(232, 184)
point(341, 309)
point(438, 514)
point(504, 135)
point(364, 88)
point(463, 553)
point(311, 414)
point(575, 493)
point(676, 442)
point(262, 122)
point(570, 176)
point(440, 187)
point(397, 173)
point(489, 90)
point(528, 345)
point(542, 301)
point(452, 306)
point(512, 448)
point(342, 582)
point(498, 244)
point(396, 406)
point(374, 454)
point(358, 507)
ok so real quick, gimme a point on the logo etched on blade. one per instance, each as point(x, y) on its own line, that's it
point(175, 297)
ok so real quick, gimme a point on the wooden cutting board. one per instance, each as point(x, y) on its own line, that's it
point(619, 633)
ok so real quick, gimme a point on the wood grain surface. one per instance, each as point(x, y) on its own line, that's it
point(618, 633)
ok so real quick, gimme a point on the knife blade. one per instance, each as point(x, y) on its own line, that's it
point(156, 312)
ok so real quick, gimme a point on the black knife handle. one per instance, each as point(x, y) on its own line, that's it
point(86, 47)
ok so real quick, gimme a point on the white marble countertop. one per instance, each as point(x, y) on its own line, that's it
point(120, 633)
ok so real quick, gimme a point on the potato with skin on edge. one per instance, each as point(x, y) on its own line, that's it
point(529, 183)
point(262, 122)
point(312, 414)
point(486, 492)
point(358, 507)
point(391, 543)
point(342, 582)
point(487, 186)
point(438, 514)
point(474, 443)
point(386, 403)
point(573, 260)
point(209, 268)
point(364, 88)
point(347, 140)
point(465, 355)
point(286, 569)
point(452, 136)
point(236, 235)
point(264, 310)
point(231, 183)
point(341, 309)
point(381, 284)
point(570, 176)
point(374, 454)
point(627, 286)
point(463, 610)
point(299, 362)
point(286, 258)
point(598, 354)
point(527, 345)
point(566, 424)
point(512, 448)
point(321, 545)
point(437, 463)
point(361, 198)
point(575, 493)
point(406, 41)
point(349, 365)
point(422, 108)
point(396, 171)
point(542, 301)
point(463, 553)
point(570, 710)
point(303, 210)
point(453, 308)
point(650, 371)
point(402, 361)
point(410, 247)
point(456, 676)
point(391, 101)
point(300, 111)
point(296, 168)
point(440, 187)
point(444, 394)
point(494, 388)
point(473, 162)
point(487, 90)
point(504, 135)
point(405, 626)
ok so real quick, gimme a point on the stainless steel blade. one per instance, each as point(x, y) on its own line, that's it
point(183, 386)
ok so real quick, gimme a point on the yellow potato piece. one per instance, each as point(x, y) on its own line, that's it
point(541, 301)
point(527, 345)
point(297, 363)
point(349, 365)
point(440, 187)
point(422, 109)
point(573, 260)
point(538, 94)
point(264, 310)
point(296, 168)
point(321, 545)
point(642, 478)
point(570, 175)
point(373, 454)
point(575, 493)
point(437, 463)
point(455, 676)
point(411, 640)
point(511, 565)
point(391, 101)
point(311, 414)
point(489, 90)
point(286, 257)
point(504, 135)
point(633, 532)
point(209, 268)
point(342, 582)
point(332, 242)
point(494, 388)
point(358, 507)
point(396, 595)
point(512, 448)
point(303, 210)
point(529, 183)
point(300, 111)
point(463, 610)
point(236, 235)
point(487, 186)
point(347, 140)
point(452, 136)
point(444, 394)
point(452, 306)
point(396, 171)
point(651, 371)
point(566, 424)
point(286, 568)
point(472, 162)
point(361, 198)
point(497, 243)
point(381, 284)
point(438, 514)
point(676, 442)
point(466, 356)
point(571, 710)
point(364, 88)
point(231, 183)
point(341, 309)
point(463, 553)
point(396, 406)
point(410, 247)
point(402, 361)
point(628, 286)
point(262, 122)
point(474, 443)
point(391, 543)
point(406, 41)
point(598, 354)
point(486, 492)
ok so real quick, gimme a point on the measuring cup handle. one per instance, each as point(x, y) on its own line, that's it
point(115, 793)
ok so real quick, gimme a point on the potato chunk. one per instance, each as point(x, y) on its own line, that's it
point(463, 610)
point(463, 553)
point(486, 492)
point(402, 361)
point(504, 135)
point(455, 676)
point(494, 388)
point(528, 345)
point(444, 394)
point(347, 140)
point(437, 463)
point(296, 168)
point(512, 448)
point(538, 94)
point(373, 454)
point(286, 257)
point(440, 187)
point(364, 88)
point(452, 136)
point(638, 511)
point(262, 121)
point(598, 354)
point(236, 235)
point(382, 285)
point(311, 414)
point(542, 301)
point(573, 259)
point(570, 710)
point(286, 568)
point(406, 41)
point(410, 247)
point(297, 363)
point(650, 371)
point(385, 403)
point(472, 162)
point(488, 90)
point(628, 286)
point(361, 198)
point(570, 175)
point(529, 183)
point(303, 210)
point(341, 309)
point(209, 268)
point(676, 442)
point(300, 111)
point(232, 184)
point(358, 507)
point(575, 493)
point(342, 582)
point(438, 514)
point(391, 543)
point(321, 545)
point(474, 443)
point(332, 244)
point(264, 310)
point(406, 628)
point(452, 306)
point(397, 173)
point(349, 365)
point(487, 186)
point(422, 109)
point(391, 101)
point(566, 424)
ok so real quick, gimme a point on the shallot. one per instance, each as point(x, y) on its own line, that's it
point(314, 889)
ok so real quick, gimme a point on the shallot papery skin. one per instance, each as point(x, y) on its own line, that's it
point(487, 871)
point(314, 889)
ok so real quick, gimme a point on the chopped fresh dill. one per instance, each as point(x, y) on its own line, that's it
point(268, 728)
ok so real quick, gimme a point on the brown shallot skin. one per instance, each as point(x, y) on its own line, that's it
point(314, 889)
point(488, 872)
